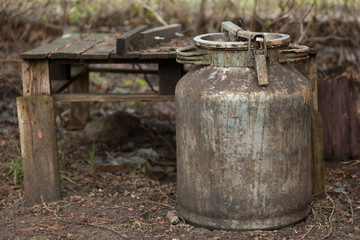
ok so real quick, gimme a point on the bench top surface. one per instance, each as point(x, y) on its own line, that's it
point(95, 46)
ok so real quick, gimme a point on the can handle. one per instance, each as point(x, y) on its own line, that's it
point(293, 53)
point(191, 55)
point(236, 33)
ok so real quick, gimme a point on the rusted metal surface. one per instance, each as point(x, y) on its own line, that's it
point(190, 55)
point(261, 69)
point(238, 34)
point(243, 151)
point(263, 49)
point(222, 58)
point(294, 53)
point(222, 40)
point(243, 135)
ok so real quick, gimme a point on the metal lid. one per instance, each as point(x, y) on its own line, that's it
point(209, 50)
point(223, 41)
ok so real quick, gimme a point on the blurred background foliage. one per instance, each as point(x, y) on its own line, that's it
point(195, 15)
point(27, 24)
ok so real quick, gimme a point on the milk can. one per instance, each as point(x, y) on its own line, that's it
point(243, 131)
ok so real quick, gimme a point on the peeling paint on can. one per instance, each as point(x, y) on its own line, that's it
point(243, 150)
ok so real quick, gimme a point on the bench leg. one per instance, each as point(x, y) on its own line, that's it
point(80, 111)
point(39, 148)
point(308, 68)
point(169, 75)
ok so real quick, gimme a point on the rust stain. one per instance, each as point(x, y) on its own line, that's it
point(233, 115)
point(305, 93)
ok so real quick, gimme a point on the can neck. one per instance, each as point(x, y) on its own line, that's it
point(237, 58)
point(223, 41)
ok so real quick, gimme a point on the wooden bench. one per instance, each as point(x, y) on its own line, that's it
point(64, 63)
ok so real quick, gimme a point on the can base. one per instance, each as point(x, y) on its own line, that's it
point(243, 224)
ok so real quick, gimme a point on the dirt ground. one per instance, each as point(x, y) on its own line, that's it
point(134, 203)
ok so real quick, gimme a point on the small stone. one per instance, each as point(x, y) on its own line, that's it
point(174, 219)
point(112, 129)
point(156, 173)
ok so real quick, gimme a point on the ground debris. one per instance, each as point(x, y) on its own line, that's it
point(173, 218)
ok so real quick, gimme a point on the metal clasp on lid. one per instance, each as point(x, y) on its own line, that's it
point(260, 59)
point(259, 55)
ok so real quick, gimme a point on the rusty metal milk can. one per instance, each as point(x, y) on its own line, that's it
point(243, 135)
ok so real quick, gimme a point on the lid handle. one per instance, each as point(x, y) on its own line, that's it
point(191, 55)
point(261, 69)
point(236, 33)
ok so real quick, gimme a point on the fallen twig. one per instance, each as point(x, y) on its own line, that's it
point(18, 201)
point(47, 208)
point(351, 163)
point(126, 205)
point(106, 227)
point(146, 212)
point(75, 183)
point(303, 236)
point(332, 212)
point(351, 208)
point(335, 208)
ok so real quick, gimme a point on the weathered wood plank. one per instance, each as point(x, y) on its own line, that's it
point(354, 118)
point(74, 49)
point(155, 55)
point(39, 148)
point(308, 68)
point(153, 36)
point(36, 77)
point(102, 50)
point(112, 97)
point(333, 98)
point(58, 86)
point(125, 56)
point(99, 52)
point(123, 42)
point(169, 75)
point(80, 111)
point(338, 104)
point(44, 51)
point(317, 163)
point(123, 70)
point(145, 55)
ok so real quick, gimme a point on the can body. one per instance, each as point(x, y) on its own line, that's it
point(243, 151)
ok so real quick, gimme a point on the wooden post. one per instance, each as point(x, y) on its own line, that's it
point(80, 111)
point(36, 78)
point(308, 68)
point(39, 148)
point(169, 75)
point(38, 134)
